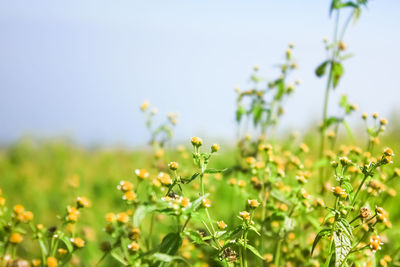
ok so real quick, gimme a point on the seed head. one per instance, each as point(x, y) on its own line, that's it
point(365, 213)
point(342, 46)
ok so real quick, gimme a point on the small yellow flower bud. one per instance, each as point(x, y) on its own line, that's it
point(196, 141)
point(173, 165)
point(214, 148)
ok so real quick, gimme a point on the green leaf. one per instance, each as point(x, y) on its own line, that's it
point(320, 235)
point(141, 212)
point(342, 247)
point(239, 113)
point(330, 121)
point(118, 257)
point(194, 176)
point(167, 258)
point(231, 233)
point(337, 73)
point(215, 170)
point(171, 243)
point(65, 239)
point(195, 236)
point(281, 89)
point(257, 113)
point(196, 204)
point(254, 251)
point(251, 227)
point(321, 69)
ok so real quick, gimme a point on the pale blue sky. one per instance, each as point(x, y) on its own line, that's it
point(82, 68)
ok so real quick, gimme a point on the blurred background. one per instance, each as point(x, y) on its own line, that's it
point(82, 68)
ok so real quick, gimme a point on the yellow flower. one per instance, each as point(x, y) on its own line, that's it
point(2, 201)
point(375, 243)
point(19, 209)
point(141, 173)
point(221, 225)
point(52, 262)
point(250, 160)
point(232, 181)
point(110, 217)
point(339, 192)
point(78, 242)
point(196, 141)
point(125, 186)
point(185, 202)
point(130, 196)
point(268, 257)
point(173, 165)
point(304, 148)
point(133, 246)
point(16, 238)
point(145, 105)
point(159, 153)
point(73, 214)
point(28, 216)
point(241, 183)
point(122, 217)
point(62, 251)
point(36, 262)
point(388, 152)
point(245, 215)
point(206, 203)
point(164, 178)
point(253, 203)
point(82, 202)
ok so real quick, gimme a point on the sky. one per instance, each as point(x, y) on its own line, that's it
point(82, 68)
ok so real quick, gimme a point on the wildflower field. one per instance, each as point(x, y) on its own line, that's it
point(326, 197)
